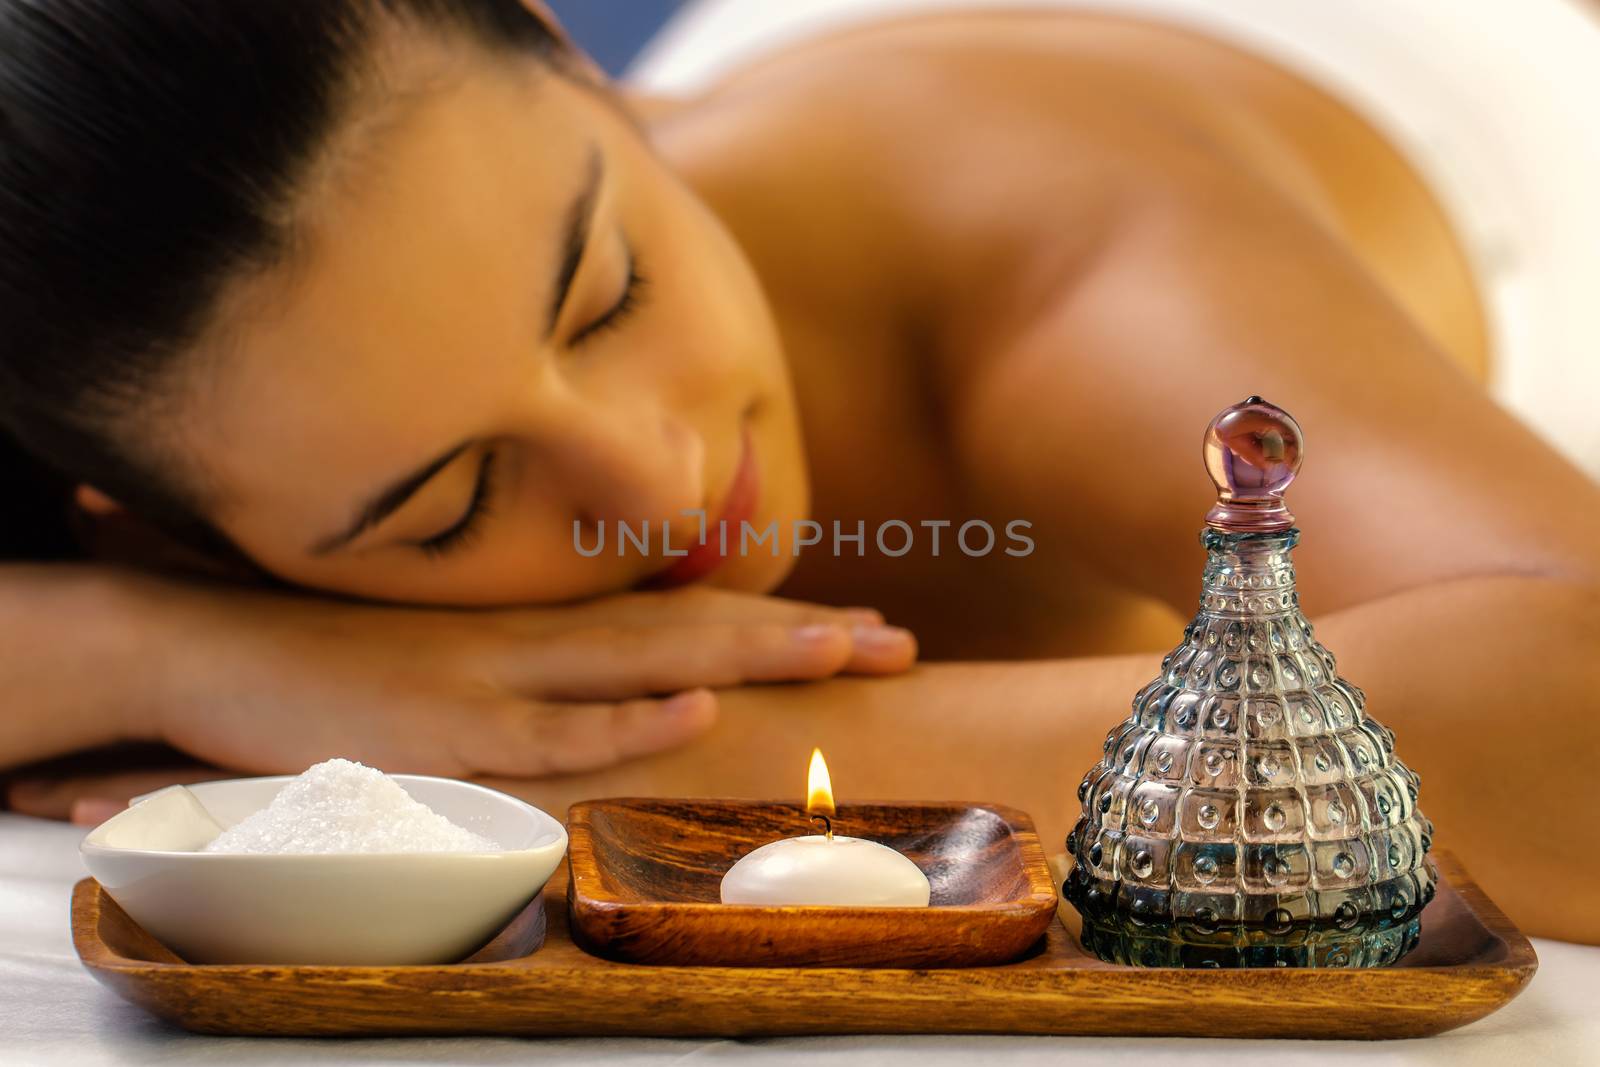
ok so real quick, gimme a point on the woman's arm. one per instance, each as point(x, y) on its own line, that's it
point(1020, 734)
point(1490, 686)
point(76, 665)
point(1499, 739)
point(271, 681)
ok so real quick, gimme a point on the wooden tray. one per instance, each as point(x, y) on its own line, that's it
point(637, 894)
point(1470, 962)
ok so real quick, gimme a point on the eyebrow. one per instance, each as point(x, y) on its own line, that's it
point(575, 238)
point(574, 241)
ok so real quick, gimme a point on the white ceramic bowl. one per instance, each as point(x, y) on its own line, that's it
point(378, 908)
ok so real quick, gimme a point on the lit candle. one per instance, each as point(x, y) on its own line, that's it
point(825, 868)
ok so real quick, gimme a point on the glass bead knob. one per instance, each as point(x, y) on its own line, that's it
point(1252, 452)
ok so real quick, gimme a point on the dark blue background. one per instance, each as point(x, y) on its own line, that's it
point(613, 31)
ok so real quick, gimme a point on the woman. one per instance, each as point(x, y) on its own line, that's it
point(397, 302)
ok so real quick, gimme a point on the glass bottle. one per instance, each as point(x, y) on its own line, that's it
point(1248, 812)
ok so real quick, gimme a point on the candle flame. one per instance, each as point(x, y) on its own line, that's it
point(819, 787)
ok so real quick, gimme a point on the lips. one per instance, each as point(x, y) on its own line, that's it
point(738, 505)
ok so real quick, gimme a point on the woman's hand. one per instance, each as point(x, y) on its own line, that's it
point(274, 682)
point(269, 682)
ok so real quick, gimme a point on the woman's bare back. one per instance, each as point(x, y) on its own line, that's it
point(912, 191)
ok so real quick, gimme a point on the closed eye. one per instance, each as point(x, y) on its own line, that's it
point(617, 313)
point(461, 532)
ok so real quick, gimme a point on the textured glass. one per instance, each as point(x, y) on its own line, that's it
point(1248, 812)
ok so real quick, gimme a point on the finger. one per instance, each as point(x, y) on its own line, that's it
point(881, 650)
point(92, 811)
point(616, 663)
point(531, 740)
point(702, 605)
point(89, 800)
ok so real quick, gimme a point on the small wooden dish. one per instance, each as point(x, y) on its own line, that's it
point(647, 875)
point(1471, 961)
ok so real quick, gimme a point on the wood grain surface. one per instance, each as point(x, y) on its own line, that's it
point(647, 876)
point(1471, 961)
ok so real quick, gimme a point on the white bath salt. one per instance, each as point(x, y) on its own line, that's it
point(342, 807)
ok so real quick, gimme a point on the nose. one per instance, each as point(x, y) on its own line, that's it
point(627, 465)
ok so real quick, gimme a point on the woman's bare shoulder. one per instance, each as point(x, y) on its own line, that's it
point(902, 162)
point(972, 138)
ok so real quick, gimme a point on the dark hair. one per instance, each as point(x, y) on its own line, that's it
point(150, 151)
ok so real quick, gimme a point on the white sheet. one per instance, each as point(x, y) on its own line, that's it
point(52, 1012)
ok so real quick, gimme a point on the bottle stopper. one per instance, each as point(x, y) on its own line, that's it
point(1252, 452)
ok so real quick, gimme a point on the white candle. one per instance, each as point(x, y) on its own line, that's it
point(815, 870)
point(825, 869)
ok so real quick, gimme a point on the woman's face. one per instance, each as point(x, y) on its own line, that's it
point(508, 318)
